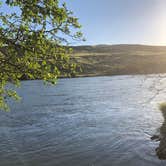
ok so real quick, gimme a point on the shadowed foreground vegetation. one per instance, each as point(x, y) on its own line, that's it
point(120, 59)
point(161, 149)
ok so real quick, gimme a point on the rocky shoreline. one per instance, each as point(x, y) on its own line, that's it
point(161, 149)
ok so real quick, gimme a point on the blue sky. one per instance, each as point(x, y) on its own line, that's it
point(121, 21)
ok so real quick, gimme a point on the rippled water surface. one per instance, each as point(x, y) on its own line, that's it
point(100, 121)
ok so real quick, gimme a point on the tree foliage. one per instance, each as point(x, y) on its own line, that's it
point(33, 36)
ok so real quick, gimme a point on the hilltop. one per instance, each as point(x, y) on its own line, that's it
point(109, 60)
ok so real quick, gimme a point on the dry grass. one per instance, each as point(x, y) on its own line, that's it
point(120, 59)
point(162, 108)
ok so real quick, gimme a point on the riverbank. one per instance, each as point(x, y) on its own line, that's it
point(111, 60)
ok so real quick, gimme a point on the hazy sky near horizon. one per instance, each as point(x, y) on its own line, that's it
point(121, 21)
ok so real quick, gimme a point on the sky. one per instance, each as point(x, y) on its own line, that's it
point(121, 21)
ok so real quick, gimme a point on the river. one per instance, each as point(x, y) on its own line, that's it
point(97, 121)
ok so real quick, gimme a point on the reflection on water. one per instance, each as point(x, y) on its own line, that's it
point(161, 150)
point(100, 121)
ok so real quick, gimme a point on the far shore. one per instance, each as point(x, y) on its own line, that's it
point(112, 60)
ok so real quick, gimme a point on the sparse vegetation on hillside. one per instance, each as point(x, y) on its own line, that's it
point(120, 59)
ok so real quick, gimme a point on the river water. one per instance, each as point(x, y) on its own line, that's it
point(99, 121)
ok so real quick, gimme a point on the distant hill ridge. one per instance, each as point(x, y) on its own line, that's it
point(106, 48)
point(101, 60)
